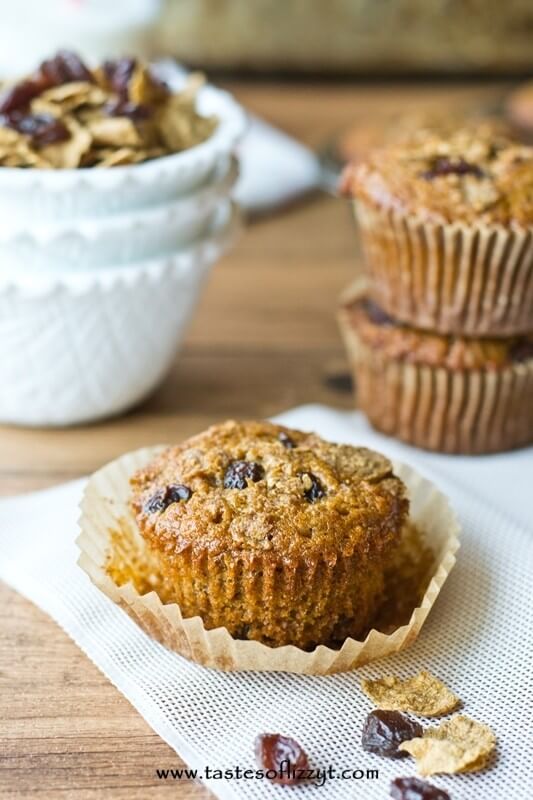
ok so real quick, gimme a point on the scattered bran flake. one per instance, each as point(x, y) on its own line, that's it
point(457, 745)
point(423, 694)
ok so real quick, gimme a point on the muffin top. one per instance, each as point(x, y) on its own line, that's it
point(243, 488)
point(474, 173)
point(399, 341)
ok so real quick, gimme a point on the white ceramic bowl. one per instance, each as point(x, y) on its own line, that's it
point(42, 195)
point(76, 347)
point(97, 242)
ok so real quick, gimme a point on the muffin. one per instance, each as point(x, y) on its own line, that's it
point(446, 393)
point(275, 534)
point(446, 222)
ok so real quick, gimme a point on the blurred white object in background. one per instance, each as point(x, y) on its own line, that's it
point(82, 346)
point(73, 245)
point(275, 169)
point(31, 30)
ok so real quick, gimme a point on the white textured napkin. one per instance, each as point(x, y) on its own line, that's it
point(274, 168)
point(478, 639)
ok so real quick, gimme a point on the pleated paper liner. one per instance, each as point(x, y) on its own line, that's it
point(470, 279)
point(451, 411)
point(111, 545)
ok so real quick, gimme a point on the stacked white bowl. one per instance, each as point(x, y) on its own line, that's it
point(100, 271)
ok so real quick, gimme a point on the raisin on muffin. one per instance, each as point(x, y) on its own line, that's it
point(447, 393)
point(446, 220)
point(275, 534)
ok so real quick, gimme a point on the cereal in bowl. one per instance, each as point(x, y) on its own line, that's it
point(66, 116)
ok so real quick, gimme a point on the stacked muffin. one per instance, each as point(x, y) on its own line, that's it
point(441, 339)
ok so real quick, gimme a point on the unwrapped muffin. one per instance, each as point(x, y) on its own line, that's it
point(446, 221)
point(445, 393)
point(277, 535)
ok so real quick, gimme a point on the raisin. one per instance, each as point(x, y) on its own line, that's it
point(239, 473)
point(283, 756)
point(43, 129)
point(176, 492)
point(20, 95)
point(64, 67)
point(124, 108)
point(313, 488)
point(383, 731)
point(118, 72)
point(163, 498)
point(156, 503)
point(415, 789)
point(442, 165)
point(521, 350)
point(286, 440)
point(340, 382)
point(376, 314)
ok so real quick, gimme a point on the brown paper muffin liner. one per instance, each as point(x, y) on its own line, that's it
point(107, 524)
point(450, 278)
point(450, 411)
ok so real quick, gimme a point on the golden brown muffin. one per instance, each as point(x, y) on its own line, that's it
point(474, 173)
point(445, 393)
point(446, 222)
point(275, 534)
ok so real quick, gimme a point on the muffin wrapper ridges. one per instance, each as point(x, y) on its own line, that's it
point(450, 411)
point(450, 278)
point(105, 508)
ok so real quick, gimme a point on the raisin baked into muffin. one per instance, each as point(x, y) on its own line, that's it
point(275, 534)
point(446, 393)
point(446, 220)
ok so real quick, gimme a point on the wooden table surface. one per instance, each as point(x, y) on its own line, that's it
point(264, 339)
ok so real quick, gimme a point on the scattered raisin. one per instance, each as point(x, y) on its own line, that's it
point(240, 472)
point(64, 67)
point(282, 755)
point(118, 72)
point(313, 488)
point(442, 165)
point(341, 382)
point(415, 789)
point(20, 95)
point(376, 314)
point(125, 108)
point(383, 731)
point(286, 440)
point(521, 350)
point(163, 498)
point(43, 129)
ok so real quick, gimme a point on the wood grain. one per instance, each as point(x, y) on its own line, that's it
point(264, 339)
